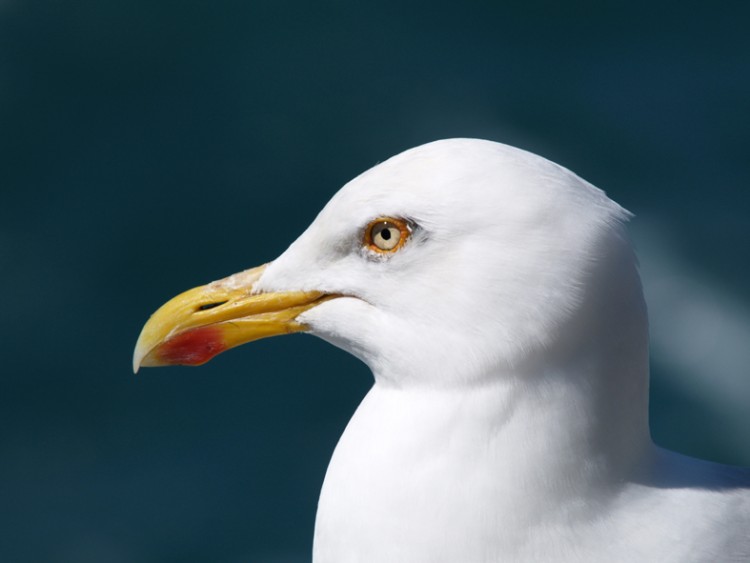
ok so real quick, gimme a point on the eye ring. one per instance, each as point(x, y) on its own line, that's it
point(386, 235)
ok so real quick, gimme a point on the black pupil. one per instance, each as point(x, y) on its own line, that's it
point(386, 233)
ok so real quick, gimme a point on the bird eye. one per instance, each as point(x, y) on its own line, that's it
point(386, 235)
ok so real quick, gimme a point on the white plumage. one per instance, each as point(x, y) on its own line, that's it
point(509, 344)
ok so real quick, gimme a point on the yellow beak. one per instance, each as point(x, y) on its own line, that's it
point(195, 326)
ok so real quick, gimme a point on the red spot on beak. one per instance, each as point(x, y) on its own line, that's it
point(192, 347)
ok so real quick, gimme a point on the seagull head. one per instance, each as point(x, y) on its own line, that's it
point(449, 263)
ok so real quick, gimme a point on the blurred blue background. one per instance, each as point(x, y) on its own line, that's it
point(150, 146)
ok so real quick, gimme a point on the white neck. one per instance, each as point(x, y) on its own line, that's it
point(415, 466)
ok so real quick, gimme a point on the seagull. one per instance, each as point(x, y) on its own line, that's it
point(495, 297)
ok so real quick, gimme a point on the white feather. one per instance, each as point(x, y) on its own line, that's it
point(509, 344)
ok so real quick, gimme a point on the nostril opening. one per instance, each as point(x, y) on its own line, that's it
point(210, 305)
